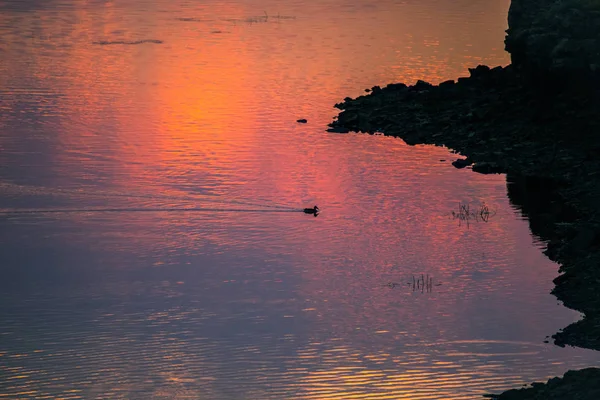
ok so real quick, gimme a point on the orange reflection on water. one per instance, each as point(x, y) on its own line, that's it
point(212, 109)
point(392, 377)
point(193, 100)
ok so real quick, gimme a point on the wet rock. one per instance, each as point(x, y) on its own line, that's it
point(581, 385)
point(497, 70)
point(396, 86)
point(338, 129)
point(481, 71)
point(461, 163)
point(488, 168)
point(420, 86)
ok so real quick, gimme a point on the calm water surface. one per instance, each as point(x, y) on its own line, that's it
point(204, 281)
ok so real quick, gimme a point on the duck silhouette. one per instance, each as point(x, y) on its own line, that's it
point(314, 210)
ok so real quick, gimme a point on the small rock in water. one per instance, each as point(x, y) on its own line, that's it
point(302, 121)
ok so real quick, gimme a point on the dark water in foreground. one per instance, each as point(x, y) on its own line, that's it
point(204, 281)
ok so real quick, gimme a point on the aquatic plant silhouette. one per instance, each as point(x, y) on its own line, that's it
point(465, 214)
point(424, 283)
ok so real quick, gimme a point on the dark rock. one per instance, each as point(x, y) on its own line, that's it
point(396, 86)
point(447, 83)
point(480, 71)
point(550, 39)
point(488, 168)
point(462, 163)
point(338, 129)
point(302, 120)
point(420, 86)
point(584, 239)
point(580, 385)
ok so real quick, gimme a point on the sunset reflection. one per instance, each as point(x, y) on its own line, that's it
point(227, 289)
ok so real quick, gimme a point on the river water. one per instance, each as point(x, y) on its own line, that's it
point(151, 176)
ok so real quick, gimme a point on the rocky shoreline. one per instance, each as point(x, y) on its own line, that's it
point(581, 385)
point(546, 138)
